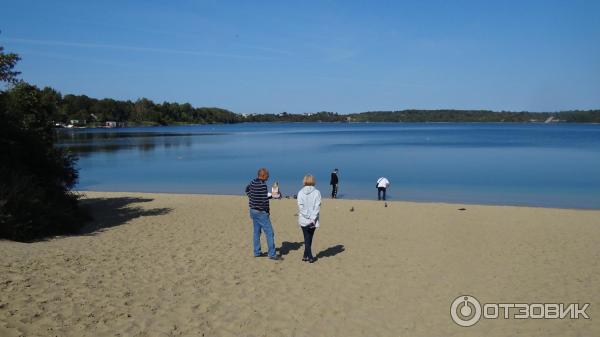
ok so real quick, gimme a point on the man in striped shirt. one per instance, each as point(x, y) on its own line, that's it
point(258, 201)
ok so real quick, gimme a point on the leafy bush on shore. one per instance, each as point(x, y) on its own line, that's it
point(35, 176)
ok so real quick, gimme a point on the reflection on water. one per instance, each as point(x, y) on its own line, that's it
point(85, 142)
point(524, 164)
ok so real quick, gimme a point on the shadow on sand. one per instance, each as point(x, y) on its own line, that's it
point(287, 247)
point(331, 251)
point(112, 212)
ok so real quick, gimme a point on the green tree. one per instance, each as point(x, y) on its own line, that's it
point(7, 64)
point(35, 176)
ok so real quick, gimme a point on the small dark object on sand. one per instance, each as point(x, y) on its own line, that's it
point(287, 196)
point(352, 209)
point(462, 209)
point(295, 196)
point(386, 204)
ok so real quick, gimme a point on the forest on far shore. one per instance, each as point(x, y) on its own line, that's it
point(82, 110)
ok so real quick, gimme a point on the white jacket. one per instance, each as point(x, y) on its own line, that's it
point(383, 182)
point(309, 206)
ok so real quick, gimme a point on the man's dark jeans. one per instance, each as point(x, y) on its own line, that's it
point(308, 237)
point(379, 190)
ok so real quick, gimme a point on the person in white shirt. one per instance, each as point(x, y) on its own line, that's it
point(309, 206)
point(275, 194)
point(382, 185)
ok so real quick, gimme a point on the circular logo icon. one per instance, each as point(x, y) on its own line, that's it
point(465, 310)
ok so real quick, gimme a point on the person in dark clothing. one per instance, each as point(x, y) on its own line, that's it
point(334, 183)
point(258, 202)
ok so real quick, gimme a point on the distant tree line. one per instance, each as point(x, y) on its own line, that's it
point(143, 111)
point(322, 116)
point(580, 116)
point(588, 116)
point(96, 112)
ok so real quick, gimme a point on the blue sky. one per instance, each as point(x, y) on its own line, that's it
point(303, 56)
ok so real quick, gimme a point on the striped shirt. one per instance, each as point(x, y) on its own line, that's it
point(258, 197)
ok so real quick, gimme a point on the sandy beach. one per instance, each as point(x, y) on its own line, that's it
point(182, 265)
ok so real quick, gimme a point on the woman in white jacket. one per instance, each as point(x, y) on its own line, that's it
point(309, 206)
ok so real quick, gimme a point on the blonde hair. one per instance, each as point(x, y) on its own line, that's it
point(309, 180)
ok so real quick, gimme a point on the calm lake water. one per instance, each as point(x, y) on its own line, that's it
point(554, 165)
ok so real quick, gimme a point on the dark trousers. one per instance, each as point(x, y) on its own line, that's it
point(379, 190)
point(334, 191)
point(308, 237)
